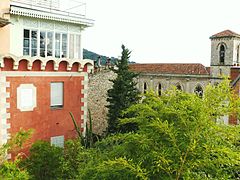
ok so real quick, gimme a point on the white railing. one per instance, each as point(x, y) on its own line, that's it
point(66, 7)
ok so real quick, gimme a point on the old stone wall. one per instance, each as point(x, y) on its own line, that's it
point(97, 98)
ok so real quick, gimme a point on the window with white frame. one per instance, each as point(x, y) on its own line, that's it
point(47, 43)
point(78, 47)
point(30, 42)
point(57, 45)
point(56, 95)
point(64, 45)
point(75, 46)
point(71, 46)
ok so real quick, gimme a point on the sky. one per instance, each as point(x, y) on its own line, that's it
point(159, 31)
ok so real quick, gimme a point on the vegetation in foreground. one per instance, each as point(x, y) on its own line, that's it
point(177, 137)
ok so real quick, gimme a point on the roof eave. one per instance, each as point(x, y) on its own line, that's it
point(70, 18)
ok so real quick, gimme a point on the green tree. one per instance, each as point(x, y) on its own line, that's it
point(178, 137)
point(123, 94)
point(45, 161)
point(11, 169)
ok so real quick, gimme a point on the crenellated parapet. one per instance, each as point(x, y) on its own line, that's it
point(26, 63)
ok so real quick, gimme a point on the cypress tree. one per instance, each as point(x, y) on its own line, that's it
point(123, 94)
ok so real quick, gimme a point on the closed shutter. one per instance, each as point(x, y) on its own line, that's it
point(57, 94)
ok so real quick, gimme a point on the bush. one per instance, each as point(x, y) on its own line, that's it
point(45, 161)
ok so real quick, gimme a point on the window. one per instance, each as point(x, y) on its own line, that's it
point(222, 54)
point(60, 45)
point(56, 95)
point(71, 46)
point(238, 55)
point(179, 87)
point(198, 91)
point(49, 42)
point(34, 43)
point(57, 45)
point(30, 42)
point(78, 47)
point(26, 42)
point(64, 45)
point(144, 88)
point(159, 89)
point(57, 141)
point(75, 46)
point(45, 44)
point(42, 44)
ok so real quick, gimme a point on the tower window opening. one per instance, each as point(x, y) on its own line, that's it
point(144, 88)
point(198, 91)
point(159, 89)
point(179, 87)
point(238, 55)
point(222, 54)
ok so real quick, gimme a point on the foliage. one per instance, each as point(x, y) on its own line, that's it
point(123, 93)
point(89, 138)
point(15, 143)
point(178, 136)
point(11, 170)
point(179, 133)
point(114, 169)
point(72, 159)
point(45, 161)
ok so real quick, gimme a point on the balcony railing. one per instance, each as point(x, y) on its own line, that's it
point(64, 7)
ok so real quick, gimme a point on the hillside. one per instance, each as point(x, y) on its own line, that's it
point(94, 56)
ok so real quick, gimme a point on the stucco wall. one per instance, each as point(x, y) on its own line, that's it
point(45, 121)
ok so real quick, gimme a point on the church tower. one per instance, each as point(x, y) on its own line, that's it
point(225, 49)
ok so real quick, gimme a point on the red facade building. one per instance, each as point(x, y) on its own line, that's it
point(43, 75)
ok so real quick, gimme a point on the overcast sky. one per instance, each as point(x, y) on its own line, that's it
point(159, 31)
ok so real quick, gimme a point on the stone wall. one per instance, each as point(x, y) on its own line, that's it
point(97, 98)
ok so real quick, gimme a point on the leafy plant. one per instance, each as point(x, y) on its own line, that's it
point(86, 140)
point(45, 161)
point(9, 169)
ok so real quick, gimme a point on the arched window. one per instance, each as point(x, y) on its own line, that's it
point(159, 89)
point(198, 90)
point(179, 87)
point(238, 55)
point(222, 54)
point(145, 88)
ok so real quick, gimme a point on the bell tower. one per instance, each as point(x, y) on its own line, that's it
point(224, 52)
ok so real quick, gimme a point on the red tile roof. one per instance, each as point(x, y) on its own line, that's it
point(171, 68)
point(226, 33)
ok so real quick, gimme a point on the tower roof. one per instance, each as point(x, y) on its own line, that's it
point(226, 33)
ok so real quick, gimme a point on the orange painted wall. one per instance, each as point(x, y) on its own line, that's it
point(45, 121)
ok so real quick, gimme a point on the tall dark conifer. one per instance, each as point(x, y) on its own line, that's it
point(123, 93)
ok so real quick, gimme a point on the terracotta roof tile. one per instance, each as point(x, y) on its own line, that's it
point(171, 68)
point(226, 33)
